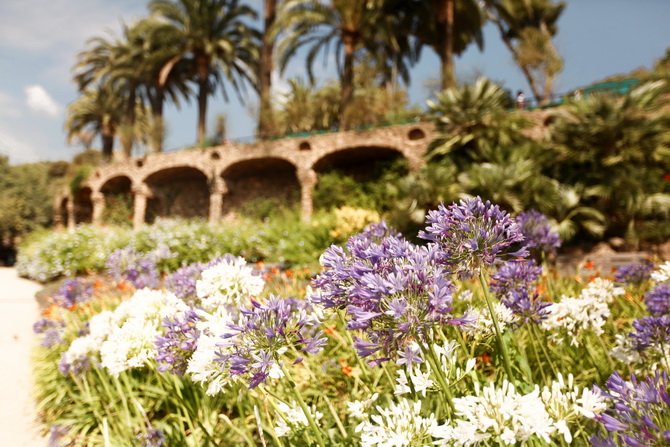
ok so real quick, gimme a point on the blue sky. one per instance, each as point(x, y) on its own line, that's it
point(39, 40)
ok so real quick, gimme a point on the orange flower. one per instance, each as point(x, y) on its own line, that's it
point(330, 329)
point(589, 265)
point(347, 370)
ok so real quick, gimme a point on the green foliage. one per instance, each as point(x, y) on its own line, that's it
point(281, 238)
point(119, 209)
point(25, 197)
point(619, 150)
point(473, 124)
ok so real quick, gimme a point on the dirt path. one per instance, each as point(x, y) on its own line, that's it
point(18, 312)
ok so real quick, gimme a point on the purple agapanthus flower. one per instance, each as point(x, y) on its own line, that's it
point(529, 307)
point(639, 412)
point(391, 289)
point(658, 300)
point(651, 332)
point(537, 232)
point(139, 269)
point(152, 438)
point(77, 367)
point(515, 276)
point(72, 292)
point(51, 330)
point(254, 345)
point(634, 274)
point(472, 235)
point(178, 343)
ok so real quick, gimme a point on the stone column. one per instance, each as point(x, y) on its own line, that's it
point(141, 192)
point(71, 223)
point(98, 200)
point(307, 179)
point(58, 214)
point(217, 189)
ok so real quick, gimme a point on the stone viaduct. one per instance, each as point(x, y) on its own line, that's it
point(211, 182)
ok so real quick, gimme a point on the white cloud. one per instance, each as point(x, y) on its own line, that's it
point(39, 100)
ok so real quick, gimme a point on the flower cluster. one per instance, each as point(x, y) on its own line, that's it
point(399, 424)
point(84, 350)
point(633, 274)
point(589, 311)
point(515, 276)
point(662, 273)
point(176, 346)
point(228, 283)
point(537, 232)
point(138, 269)
point(254, 344)
point(658, 300)
point(291, 418)
point(472, 235)
point(505, 415)
point(51, 330)
point(639, 412)
point(73, 292)
point(392, 289)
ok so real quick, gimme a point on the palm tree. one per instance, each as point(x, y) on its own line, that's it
point(164, 76)
point(473, 124)
point(526, 27)
point(350, 26)
point(213, 35)
point(265, 119)
point(99, 109)
point(447, 26)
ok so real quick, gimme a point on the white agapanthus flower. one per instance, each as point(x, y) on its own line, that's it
point(483, 324)
point(588, 311)
point(662, 273)
point(357, 409)
point(228, 284)
point(398, 425)
point(500, 414)
point(202, 366)
point(292, 417)
point(420, 376)
point(100, 326)
point(566, 403)
point(131, 342)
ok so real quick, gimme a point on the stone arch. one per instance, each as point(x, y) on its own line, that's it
point(83, 205)
point(260, 181)
point(116, 200)
point(357, 161)
point(180, 191)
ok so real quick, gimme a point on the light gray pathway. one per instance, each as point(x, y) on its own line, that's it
point(18, 312)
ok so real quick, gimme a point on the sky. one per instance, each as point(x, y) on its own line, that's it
point(39, 41)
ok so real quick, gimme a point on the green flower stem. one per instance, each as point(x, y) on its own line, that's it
point(431, 357)
point(533, 330)
point(496, 326)
point(347, 334)
point(301, 402)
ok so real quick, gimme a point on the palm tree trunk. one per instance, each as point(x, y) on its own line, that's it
point(203, 93)
point(107, 136)
point(157, 130)
point(265, 117)
point(347, 77)
point(445, 29)
point(130, 120)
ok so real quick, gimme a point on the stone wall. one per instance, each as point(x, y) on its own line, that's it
point(222, 178)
